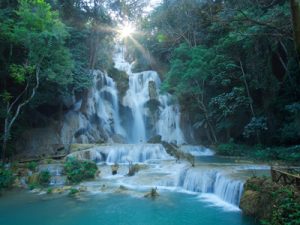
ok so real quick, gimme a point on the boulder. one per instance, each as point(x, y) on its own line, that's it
point(250, 203)
point(152, 194)
point(114, 169)
point(117, 138)
point(33, 179)
point(155, 139)
point(39, 142)
point(152, 90)
point(58, 190)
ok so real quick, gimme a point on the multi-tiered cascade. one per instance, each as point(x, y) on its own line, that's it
point(149, 113)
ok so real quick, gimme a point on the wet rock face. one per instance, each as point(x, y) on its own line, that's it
point(117, 138)
point(38, 142)
point(250, 202)
point(257, 199)
point(155, 139)
point(152, 90)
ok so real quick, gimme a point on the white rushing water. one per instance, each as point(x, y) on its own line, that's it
point(97, 117)
point(211, 181)
point(153, 113)
point(100, 116)
point(123, 153)
point(196, 150)
point(104, 103)
point(164, 172)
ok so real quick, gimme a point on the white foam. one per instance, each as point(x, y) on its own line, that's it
point(197, 150)
point(215, 201)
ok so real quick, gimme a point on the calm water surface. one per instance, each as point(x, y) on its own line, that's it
point(114, 209)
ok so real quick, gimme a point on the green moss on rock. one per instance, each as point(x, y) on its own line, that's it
point(121, 79)
point(270, 202)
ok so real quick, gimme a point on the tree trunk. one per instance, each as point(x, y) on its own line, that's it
point(5, 139)
point(11, 117)
point(295, 8)
point(247, 89)
point(4, 146)
point(211, 128)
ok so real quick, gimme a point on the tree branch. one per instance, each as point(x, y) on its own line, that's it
point(27, 100)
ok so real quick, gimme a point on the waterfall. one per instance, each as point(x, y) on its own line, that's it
point(137, 153)
point(104, 103)
point(96, 117)
point(123, 153)
point(196, 150)
point(153, 113)
point(211, 181)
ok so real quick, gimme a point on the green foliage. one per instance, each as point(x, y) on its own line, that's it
point(6, 97)
point(44, 178)
point(231, 149)
point(234, 69)
point(19, 72)
point(73, 192)
point(259, 152)
point(32, 165)
point(276, 204)
point(286, 207)
point(49, 190)
point(78, 171)
point(60, 47)
point(290, 132)
point(7, 178)
point(33, 186)
point(257, 124)
point(121, 78)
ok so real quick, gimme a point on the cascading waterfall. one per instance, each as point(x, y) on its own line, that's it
point(105, 103)
point(123, 153)
point(201, 180)
point(196, 150)
point(153, 113)
point(97, 118)
point(211, 181)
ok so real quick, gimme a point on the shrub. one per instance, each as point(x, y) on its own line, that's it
point(272, 203)
point(31, 166)
point(133, 169)
point(44, 178)
point(6, 178)
point(73, 192)
point(49, 191)
point(286, 207)
point(32, 186)
point(231, 149)
point(77, 170)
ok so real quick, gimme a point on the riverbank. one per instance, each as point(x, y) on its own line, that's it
point(271, 155)
point(271, 203)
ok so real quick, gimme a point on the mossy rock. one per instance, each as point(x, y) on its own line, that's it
point(121, 79)
point(270, 202)
point(80, 147)
point(33, 179)
point(155, 139)
point(153, 105)
point(153, 194)
point(250, 203)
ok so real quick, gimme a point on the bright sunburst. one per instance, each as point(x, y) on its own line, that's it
point(126, 30)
